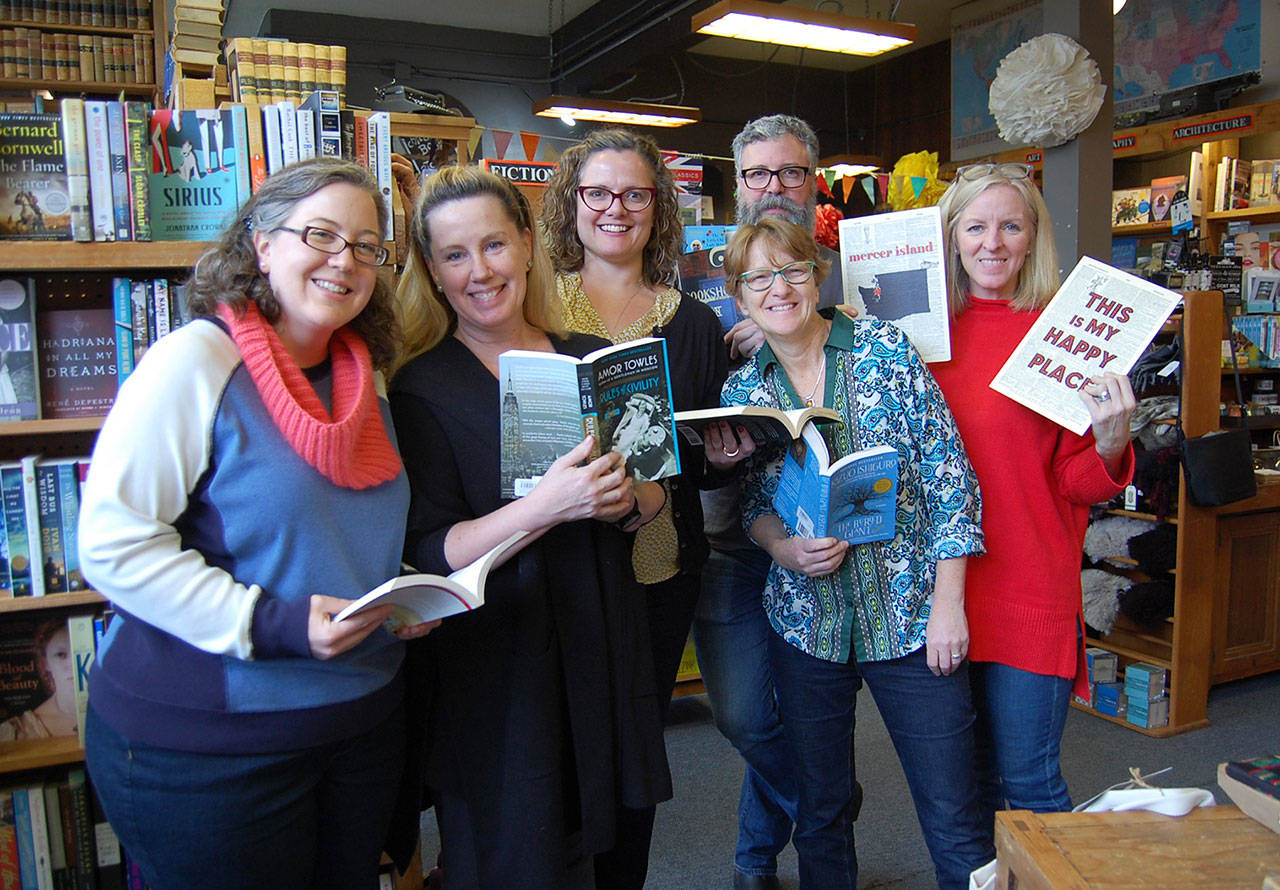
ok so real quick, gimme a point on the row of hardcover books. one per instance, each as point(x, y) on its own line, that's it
point(92, 13)
point(264, 70)
point(121, 171)
point(29, 53)
point(40, 501)
point(64, 363)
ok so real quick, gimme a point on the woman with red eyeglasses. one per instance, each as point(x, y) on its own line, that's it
point(613, 230)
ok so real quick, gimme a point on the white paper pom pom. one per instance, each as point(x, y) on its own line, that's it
point(1046, 92)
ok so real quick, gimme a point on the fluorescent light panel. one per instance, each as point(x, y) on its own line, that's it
point(639, 114)
point(810, 29)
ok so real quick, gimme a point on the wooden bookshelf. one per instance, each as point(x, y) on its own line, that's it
point(99, 256)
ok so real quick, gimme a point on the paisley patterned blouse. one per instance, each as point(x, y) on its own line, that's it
point(876, 605)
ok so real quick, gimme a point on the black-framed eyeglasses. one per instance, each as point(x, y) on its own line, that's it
point(1009, 170)
point(326, 241)
point(600, 199)
point(792, 273)
point(758, 178)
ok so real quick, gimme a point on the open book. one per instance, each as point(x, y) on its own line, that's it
point(425, 597)
point(765, 424)
point(854, 499)
point(620, 394)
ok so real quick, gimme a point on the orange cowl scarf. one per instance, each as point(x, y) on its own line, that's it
point(351, 448)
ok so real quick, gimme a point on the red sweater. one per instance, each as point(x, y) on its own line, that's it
point(1023, 597)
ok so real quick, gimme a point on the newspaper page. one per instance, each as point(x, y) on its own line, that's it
point(1101, 319)
point(892, 265)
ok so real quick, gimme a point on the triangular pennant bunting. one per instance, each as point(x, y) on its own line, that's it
point(473, 141)
point(501, 141)
point(869, 186)
point(824, 186)
point(530, 142)
point(917, 185)
point(847, 182)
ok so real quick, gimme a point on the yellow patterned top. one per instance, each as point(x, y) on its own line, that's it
point(656, 556)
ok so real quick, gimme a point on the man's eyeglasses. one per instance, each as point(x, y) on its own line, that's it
point(758, 178)
point(792, 273)
point(600, 199)
point(1009, 170)
point(331, 242)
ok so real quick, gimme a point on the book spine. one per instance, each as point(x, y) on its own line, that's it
point(271, 138)
point(6, 577)
point(338, 71)
point(26, 844)
point(15, 519)
point(10, 864)
point(137, 118)
point(82, 829)
point(122, 304)
point(141, 330)
point(80, 629)
point(76, 154)
point(31, 504)
point(240, 136)
point(255, 147)
point(97, 131)
point(50, 512)
point(380, 159)
point(292, 72)
point(69, 504)
point(109, 858)
point(68, 833)
point(590, 406)
point(306, 69)
point(117, 144)
point(57, 844)
point(288, 132)
point(40, 837)
point(161, 312)
point(306, 134)
point(347, 119)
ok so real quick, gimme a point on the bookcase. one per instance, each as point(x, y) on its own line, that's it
point(145, 20)
point(1226, 621)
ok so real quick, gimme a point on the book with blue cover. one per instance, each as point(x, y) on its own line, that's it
point(196, 167)
point(854, 498)
point(701, 270)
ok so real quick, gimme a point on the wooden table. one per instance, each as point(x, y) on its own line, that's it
point(1217, 847)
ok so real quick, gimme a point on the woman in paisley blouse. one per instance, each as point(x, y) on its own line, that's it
point(889, 613)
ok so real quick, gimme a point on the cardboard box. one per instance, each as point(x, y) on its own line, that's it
point(1102, 665)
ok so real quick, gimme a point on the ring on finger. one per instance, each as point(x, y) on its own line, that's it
point(1103, 396)
point(956, 656)
point(728, 453)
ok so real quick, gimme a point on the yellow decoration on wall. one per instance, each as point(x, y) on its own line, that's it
point(914, 181)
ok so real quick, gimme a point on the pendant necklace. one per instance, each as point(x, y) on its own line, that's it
point(808, 402)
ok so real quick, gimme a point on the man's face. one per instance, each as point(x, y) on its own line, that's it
point(798, 205)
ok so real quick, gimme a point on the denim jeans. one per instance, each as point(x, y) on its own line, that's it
point(930, 720)
point(311, 818)
point(1021, 716)
point(731, 632)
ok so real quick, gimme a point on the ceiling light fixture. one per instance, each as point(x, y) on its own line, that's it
point(851, 165)
point(640, 114)
point(807, 28)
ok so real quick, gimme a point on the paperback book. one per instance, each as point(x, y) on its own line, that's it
point(701, 269)
point(892, 268)
point(34, 202)
point(619, 394)
point(853, 499)
point(1100, 320)
point(422, 597)
point(194, 182)
point(37, 683)
point(766, 425)
point(78, 372)
point(19, 382)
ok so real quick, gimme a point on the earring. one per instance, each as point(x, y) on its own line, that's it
point(528, 264)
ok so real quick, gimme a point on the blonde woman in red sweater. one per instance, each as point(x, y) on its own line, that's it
point(1022, 598)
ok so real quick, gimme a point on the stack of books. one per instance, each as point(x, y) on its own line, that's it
point(268, 70)
point(197, 33)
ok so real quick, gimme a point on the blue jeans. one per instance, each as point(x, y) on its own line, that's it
point(930, 720)
point(1021, 716)
point(731, 632)
point(311, 818)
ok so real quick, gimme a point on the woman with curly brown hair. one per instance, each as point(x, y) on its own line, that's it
point(612, 224)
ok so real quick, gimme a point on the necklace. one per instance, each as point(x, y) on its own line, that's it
point(618, 326)
point(808, 402)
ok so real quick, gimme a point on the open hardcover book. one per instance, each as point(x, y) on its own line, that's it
point(422, 597)
point(620, 394)
point(765, 424)
point(854, 499)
